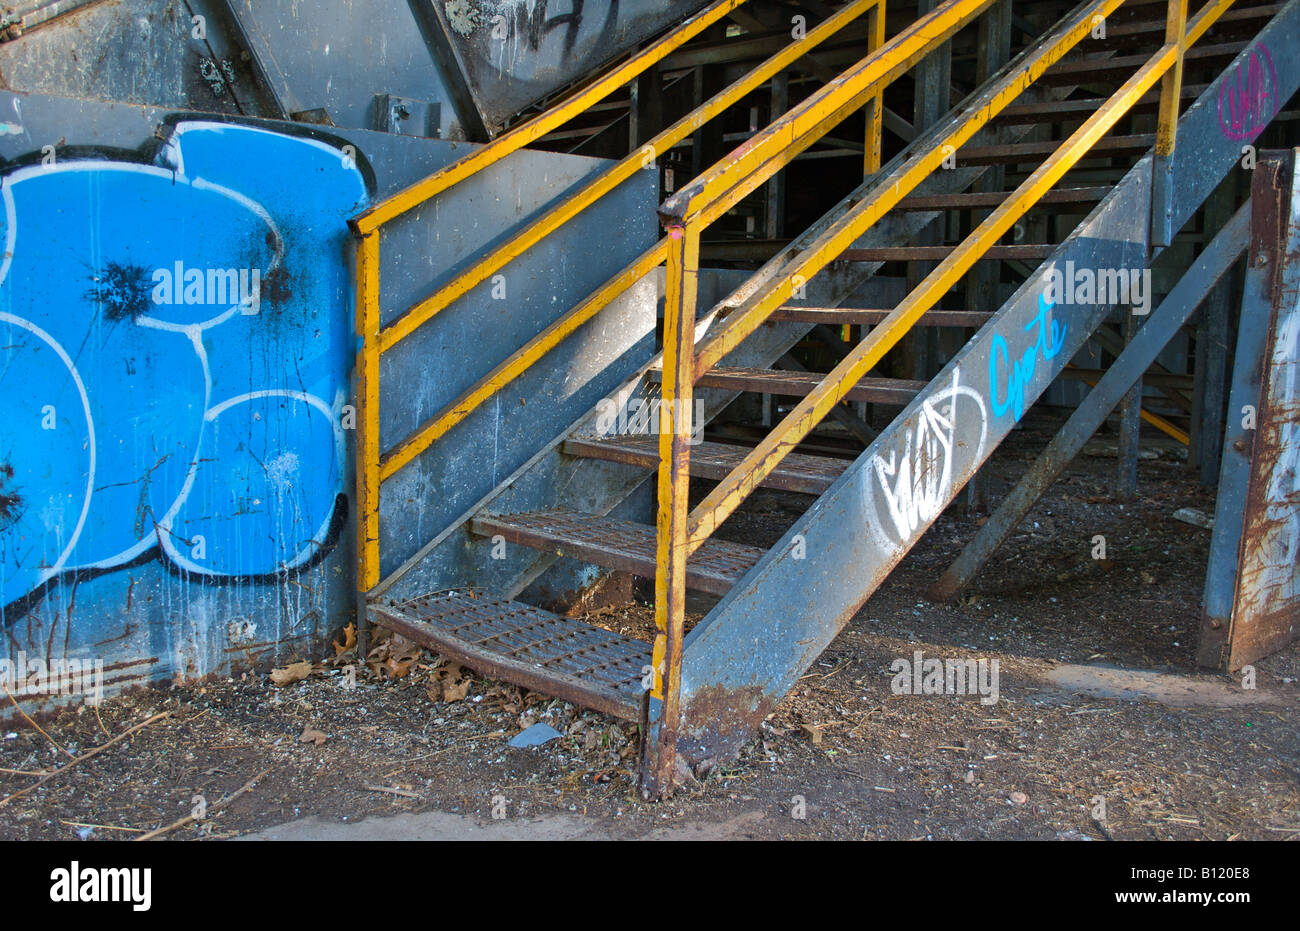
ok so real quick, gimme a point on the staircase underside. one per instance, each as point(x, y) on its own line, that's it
point(780, 608)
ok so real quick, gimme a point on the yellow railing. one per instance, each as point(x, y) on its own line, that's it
point(685, 215)
point(373, 466)
point(374, 338)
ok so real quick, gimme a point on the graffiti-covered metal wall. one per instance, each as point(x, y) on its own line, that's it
point(176, 346)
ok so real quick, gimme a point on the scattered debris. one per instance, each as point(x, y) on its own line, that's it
point(1194, 517)
point(534, 736)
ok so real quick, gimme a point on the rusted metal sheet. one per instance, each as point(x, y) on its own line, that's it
point(511, 53)
point(1266, 606)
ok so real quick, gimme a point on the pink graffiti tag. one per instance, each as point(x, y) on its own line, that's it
point(1247, 97)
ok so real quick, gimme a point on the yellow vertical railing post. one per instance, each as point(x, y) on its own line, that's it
point(674, 496)
point(366, 373)
point(875, 109)
point(1171, 91)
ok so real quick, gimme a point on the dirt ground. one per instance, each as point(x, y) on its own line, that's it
point(1048, 761)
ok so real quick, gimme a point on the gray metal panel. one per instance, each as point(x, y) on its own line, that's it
point(341, 55)
point(136, 51)
point(754, 644)
point(514, 52)
point(430, 368)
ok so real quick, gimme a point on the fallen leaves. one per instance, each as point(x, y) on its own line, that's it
point(394, 656)
point(449, 683)
point(294, 672)
point(349, 640)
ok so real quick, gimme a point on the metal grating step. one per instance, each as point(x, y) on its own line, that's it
point(811, 475)
point(530, 647)
point(618, 544)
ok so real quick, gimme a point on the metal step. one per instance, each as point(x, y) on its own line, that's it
point(1037, 251)
point(898, 391)
point(516, 642)
point(799, 472)
point(1091, 70)
point(1058, 111)
point(1081, 195)
point(1037, 151)
point(618, 544)
point(870, 316)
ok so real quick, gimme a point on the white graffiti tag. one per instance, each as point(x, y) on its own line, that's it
point(915, 483)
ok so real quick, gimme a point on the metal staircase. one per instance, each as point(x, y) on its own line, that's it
point(582, 503)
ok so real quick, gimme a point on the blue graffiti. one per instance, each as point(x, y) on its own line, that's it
point(1051, 336)
point(201, 424)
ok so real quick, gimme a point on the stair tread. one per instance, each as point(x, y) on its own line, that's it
point(871, 316)
point(798, 384)
point(528, 646)
point(619, 544)
point(797, 471)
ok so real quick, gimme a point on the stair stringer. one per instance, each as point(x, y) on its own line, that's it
point(747, 653)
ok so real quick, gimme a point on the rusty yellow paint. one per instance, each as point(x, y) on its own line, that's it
point(1171, 85)
point(1160, 423)
point(644, 157)
point(674, 485)
point(767, 455)
point(515, 139)
point(717, 190)
point(520, 361)
point(367, 411)
point(751, 314)
point(875, 106)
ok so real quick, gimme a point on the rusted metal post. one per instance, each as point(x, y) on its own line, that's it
point(674, 500)
point(1252, 589)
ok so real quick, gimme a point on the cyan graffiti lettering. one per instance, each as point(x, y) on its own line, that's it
point(1051, 336)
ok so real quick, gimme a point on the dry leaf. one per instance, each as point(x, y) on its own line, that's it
point(310, 735)
point(291, 673)
point(449, 683)
point(349, 640)
point(397, 668)
point(455, 691)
